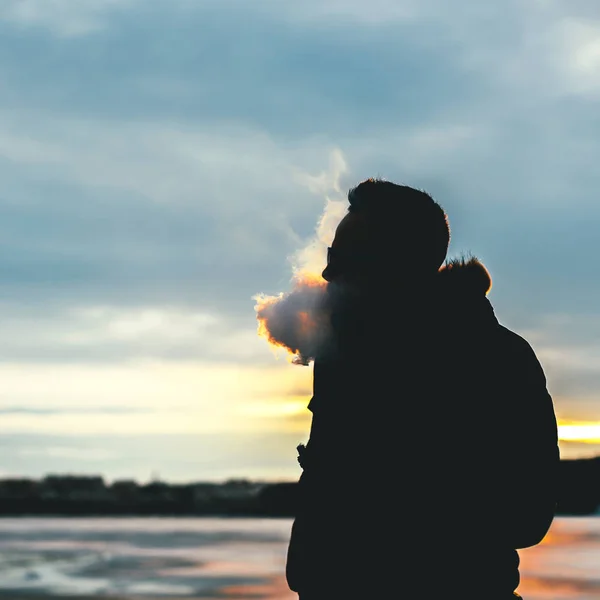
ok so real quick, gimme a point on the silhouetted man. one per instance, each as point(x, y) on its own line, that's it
point(433, 453)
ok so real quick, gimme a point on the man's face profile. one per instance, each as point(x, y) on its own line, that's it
point(349, 251)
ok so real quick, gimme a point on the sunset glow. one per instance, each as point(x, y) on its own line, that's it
point(584, 432)
point(290, 408)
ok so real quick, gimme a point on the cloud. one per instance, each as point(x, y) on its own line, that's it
point(68, 452)
point(14, 410)
point(581, 47)
point(114, 334)
point(567, 347)
point(349, 79)
point(155, 179)
point(64, 18)
point(133, 325)
point(377, 13)
point(144, 213)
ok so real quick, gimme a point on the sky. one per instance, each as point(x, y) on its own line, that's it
point(164, 162)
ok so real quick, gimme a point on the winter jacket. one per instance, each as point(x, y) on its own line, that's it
point(433, 453)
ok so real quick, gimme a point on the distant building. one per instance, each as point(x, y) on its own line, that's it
point(19, 489)
point(74, 487)
point(204, 493)
point(158, 491)
point(239, 489)
point(126, 490)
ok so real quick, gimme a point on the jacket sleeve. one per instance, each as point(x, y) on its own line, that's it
point(312, 533)
point(299, 561)
point(533, 450)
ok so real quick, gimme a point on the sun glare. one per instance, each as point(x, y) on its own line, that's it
point(581, 431)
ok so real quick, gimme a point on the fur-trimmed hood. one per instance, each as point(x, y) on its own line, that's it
point(465, 276)
point(452, 302)
point(462, 286)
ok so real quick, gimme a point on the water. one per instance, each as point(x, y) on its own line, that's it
point(227, 558)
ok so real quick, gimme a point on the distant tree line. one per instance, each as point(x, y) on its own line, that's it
point(72, 495)
point(75, 495)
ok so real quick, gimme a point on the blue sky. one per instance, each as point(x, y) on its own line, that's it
point(161, 161)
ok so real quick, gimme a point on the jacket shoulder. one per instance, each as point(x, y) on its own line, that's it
point(517, 344)
point(511, 337)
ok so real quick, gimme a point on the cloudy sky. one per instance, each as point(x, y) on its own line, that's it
point(162, 161)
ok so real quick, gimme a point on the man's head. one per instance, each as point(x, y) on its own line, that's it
point(387, 225)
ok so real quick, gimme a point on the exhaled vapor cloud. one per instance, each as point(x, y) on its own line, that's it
point(295, 320)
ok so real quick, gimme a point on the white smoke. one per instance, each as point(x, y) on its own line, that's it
point(296, 319)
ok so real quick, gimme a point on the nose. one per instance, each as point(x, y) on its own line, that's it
point(326, 274)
